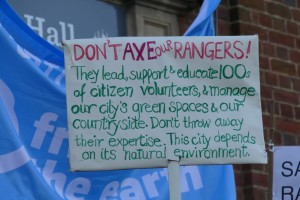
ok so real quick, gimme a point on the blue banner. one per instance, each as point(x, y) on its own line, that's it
point(203, 25)
point(34, 160)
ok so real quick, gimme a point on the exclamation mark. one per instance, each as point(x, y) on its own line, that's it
point(248, 48)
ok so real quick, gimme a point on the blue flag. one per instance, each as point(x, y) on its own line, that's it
point(34, 160)
point(203, 25)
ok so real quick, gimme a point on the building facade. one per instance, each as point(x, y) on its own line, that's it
point(277, 23)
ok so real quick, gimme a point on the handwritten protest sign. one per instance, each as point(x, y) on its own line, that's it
point(139, 102)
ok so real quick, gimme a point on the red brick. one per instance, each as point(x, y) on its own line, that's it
point(239, 178)
point(266, 105)
point(244, 15)
point(255, 17)
point(287, 97)
point(286, 111)
point(265, 20)
point(264, 62)
point(259, 167)
point(251, 29)
point(266, 91)
point(296, 14)
point(271, 79)
point(281, 38)
point(266, 121)
point(277, 138)
point(260, 179)
point(297, 43)
point(272, 107)
point(249, 193)
point(248, 178)
point(279, 34)
point(292, 28)
point(259, 193)
point(277, 108)
point(297, 113)
point(289, 139)
point(238, 168)
point(279, 24)
point(287, 125)
point(262, 77)
point(283, 67)
point(296, 84)
point(223, 12)
point(282, 52)
point(268, 49)
point(223, 28)
point(278, 10)
point(239, 193)
point(295, 56)
point(256, 4)
point(246, 167)
point(285, 82)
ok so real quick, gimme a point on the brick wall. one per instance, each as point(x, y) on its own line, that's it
point(277, 22)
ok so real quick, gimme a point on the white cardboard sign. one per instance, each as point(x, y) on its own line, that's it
point(286, 173)
point(137, 102)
